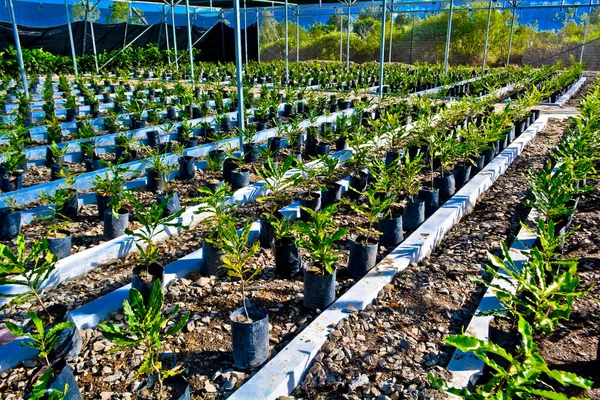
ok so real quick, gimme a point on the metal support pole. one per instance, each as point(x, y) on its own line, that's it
point(128, 45)
point(190, 44)
point(297, 35)
point(585, 32)
point(94, 43)
point(245, 34)
point(174, 33)
point(348, 44)
point(287, 44)
point(222, 20)
point(167, 34)
point(85, 27)
point(391, 32)
point(382, 48)
point(73, 55)
point(487, 37)
point(18, 48)
point(448, 36)
point(341, 36)
point(238, 69)
point(258, 33)
point(412, 36)
point(127, 24)
point(512, 30)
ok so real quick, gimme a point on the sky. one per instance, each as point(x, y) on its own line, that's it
point(52, 12)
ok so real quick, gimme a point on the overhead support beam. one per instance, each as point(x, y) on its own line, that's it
point(258, 34)
point(13, 20)
point(512, 31)
point(487, 36)
point(287, 44)
point(127, 46)
point(190, 44)
point(448, 37)
point(238, 69)
point(167, 34)
point(382, 48)
point(126, 24)
point(73, 55)
point(174, 34)
point(585, 32)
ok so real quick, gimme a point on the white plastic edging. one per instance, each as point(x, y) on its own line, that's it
point(565, 97)
point(286, 370)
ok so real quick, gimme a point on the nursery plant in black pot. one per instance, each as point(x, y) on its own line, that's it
point(136, 109)
point(446, 154)
point(278, 180)
point(63, 205)
point(407, 188)
point(288, 260)
point(250, 325)
point(54, 129)
point(157, 169)
point(430, 195)
point(318, 237)
point(31, 269)
point(363, 248)
point(360, 145)
point(185, 133)
point(331, 190)
point(239, 175)
point(10, 218)
point(146, 325)
point(388, 190)
point(11, 169)
point(217, 209)
point(251, 151)
point(154, 222)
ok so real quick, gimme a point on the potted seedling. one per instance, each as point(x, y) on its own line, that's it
point(57, 224)
point(54, 129)
point(310, 196)
point(277, 182)
point(213, 172)
point(109, 184)
point(94, 106)
point(446, 154)
point(55, 156)
point(136, 109)
point(288, 260)
point(429, 137)
point(318, 237)
point(186, 134)
point(250, 148)
point(10, 218)
point(250, 325)
point(331, 191)
point(126, 148)
point(29, 267)
point(11, 169)
point(234, 168)
point(359, 176)
point(154, 222)
point(157, 169)
point(72, 108)
point(217, 209)
point(406, 189)
point(148, 325)
point(387, 188)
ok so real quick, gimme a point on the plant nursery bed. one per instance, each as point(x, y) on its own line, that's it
point(573, 346)
point(388, 348)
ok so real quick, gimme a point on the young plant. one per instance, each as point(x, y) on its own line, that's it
point(54, 129)
point(58, 152)
point(318, 236)
point(375, 207)
point(218, 207)
point(41, 391)
point(237, 255)
point(27, 269)
point(277, 182)
point(110, 184)
point(523, 379)
point(147, 326)
point(153, 223)
point(40, 339)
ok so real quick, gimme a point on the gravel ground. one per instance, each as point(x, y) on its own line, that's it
point(387, 350)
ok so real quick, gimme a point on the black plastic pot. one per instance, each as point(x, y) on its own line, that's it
point(114, 227)
point(71, 207)
point(250, 152)
point(156, 181)
point(489, 155)
point(462, 174)
point(319, 290)
point(362, 257)
point(240, 178)
point(55, 171)
point(311, 201)
point(250, 341)
point(267, 234)
point(212, 260)
point(60, 247)
point(331, 195)
point(228, 166)
point(52, 159)
point(431, 200)
point(446, 186)
point(322, 149)
point(274, 145)
point(341, 143)
point(153, 138)
point(391, 232)
point(92, 164)
point(358, 182)
point(69, 343)
point(155, 270)
point(172, 206)
point(187, 168)
point(102, 203)
point(390, 157)
point(510, 135)
point(63, 376)
point(288, 260)
point(213, 185)
point(10, 223)
point(139, 124)
point(519, 128)
point(11, 182)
